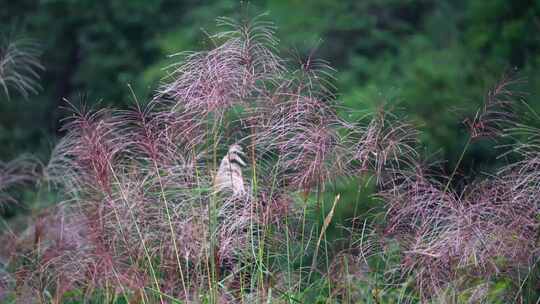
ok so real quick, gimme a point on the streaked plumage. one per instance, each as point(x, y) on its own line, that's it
point(229, 175)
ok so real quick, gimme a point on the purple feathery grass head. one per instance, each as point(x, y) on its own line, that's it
point(302, 128)
point(384, 146)
point(232, 73)
point(52, 253)
point(447, 238)
point(525, 173)
point(144, 131)
point(160, 136)
point(311, 156)
point(491, 233)
point(450, 239)
point(18, 172)
point(88, 151)
point(498, 110)
point(492, 228)
point(415, 200)
point(313, 78)
point(20, 67)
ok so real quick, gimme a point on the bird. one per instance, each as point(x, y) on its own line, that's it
point(229, 176)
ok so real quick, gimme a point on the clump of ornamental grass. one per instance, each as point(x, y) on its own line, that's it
point(139, 184)
point(213, 191)
point(452, 242)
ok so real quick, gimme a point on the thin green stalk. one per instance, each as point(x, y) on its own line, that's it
point(302, 239)
point(212, 218)
point(173, 234)
point(139, 233)
point(465, 148)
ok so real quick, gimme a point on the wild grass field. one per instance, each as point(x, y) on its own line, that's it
point(227, 186)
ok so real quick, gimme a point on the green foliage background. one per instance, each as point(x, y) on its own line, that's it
point(430, 60)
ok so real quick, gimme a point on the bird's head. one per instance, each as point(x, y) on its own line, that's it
point(235, 155)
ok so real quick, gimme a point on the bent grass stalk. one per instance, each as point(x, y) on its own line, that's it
point(326, 223)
